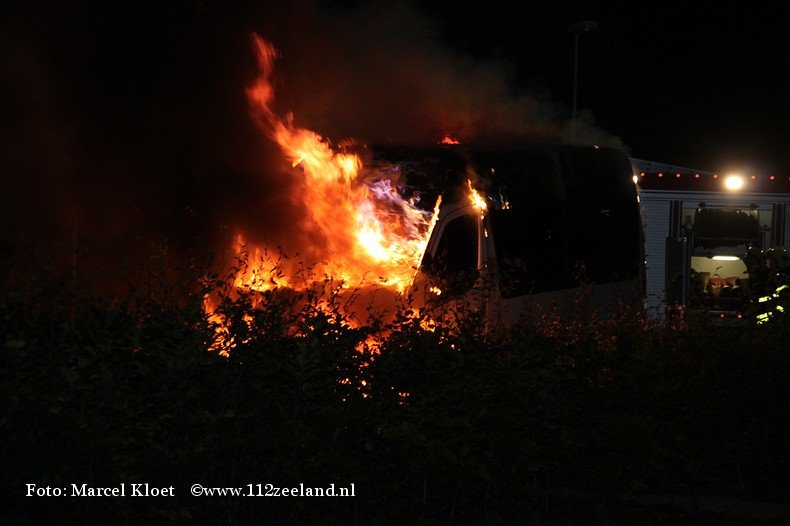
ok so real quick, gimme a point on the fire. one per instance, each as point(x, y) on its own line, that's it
point(262, 272)
point(476, 198)
point(222, 341)
point(357, 230)
point(366, 231)
point(449, 139)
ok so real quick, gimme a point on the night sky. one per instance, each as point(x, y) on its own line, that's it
point(131, 124)
point(704, 88)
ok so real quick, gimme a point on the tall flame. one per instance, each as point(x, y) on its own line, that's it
point(477, 198)
point(361, 230)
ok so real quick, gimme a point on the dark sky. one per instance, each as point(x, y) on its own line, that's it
point(130, 122)
point(706, 88)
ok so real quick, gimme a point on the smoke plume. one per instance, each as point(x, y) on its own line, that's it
point(128, 129)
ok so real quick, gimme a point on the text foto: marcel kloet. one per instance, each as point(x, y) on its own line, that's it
point(84, 490)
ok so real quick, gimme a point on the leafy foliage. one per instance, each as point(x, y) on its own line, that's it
point(556, 421)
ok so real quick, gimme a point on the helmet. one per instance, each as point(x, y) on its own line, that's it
point(754, 259)
point(778, 258)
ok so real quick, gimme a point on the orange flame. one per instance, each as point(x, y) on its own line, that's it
point(361, 230)
point(367, 231)
point(476, 198)
point(449, 139)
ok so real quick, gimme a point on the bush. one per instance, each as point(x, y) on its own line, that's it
point(560, 421)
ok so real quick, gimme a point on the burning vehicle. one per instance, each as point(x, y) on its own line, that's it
point(506, 230)
point(525, 229)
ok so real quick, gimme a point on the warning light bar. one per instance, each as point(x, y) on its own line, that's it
point(712, 182)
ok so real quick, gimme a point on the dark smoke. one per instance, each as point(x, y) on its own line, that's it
point(127, 130)
point(381, 73)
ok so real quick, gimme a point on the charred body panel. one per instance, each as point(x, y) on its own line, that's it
point(558, 216)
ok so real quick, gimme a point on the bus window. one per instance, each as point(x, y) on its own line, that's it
point(726, 228)
point(455, 262)
point(530, 250)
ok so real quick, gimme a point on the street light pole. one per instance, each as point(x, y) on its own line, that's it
point(575, 72)
point(586, 26)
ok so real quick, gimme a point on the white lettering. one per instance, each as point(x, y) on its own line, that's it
point(49, 491)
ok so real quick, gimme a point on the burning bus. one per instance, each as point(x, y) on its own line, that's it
point(715, 244)
point(514, 229)
point(522, 229)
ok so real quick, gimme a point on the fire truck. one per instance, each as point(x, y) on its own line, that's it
point(715, 244)
point(527, 228)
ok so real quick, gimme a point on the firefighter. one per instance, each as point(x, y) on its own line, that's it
point(778, 259)
point(754, 259)
point(757, 269)
point(774, 300)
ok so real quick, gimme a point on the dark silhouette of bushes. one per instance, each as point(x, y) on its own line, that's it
point(562, 422)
